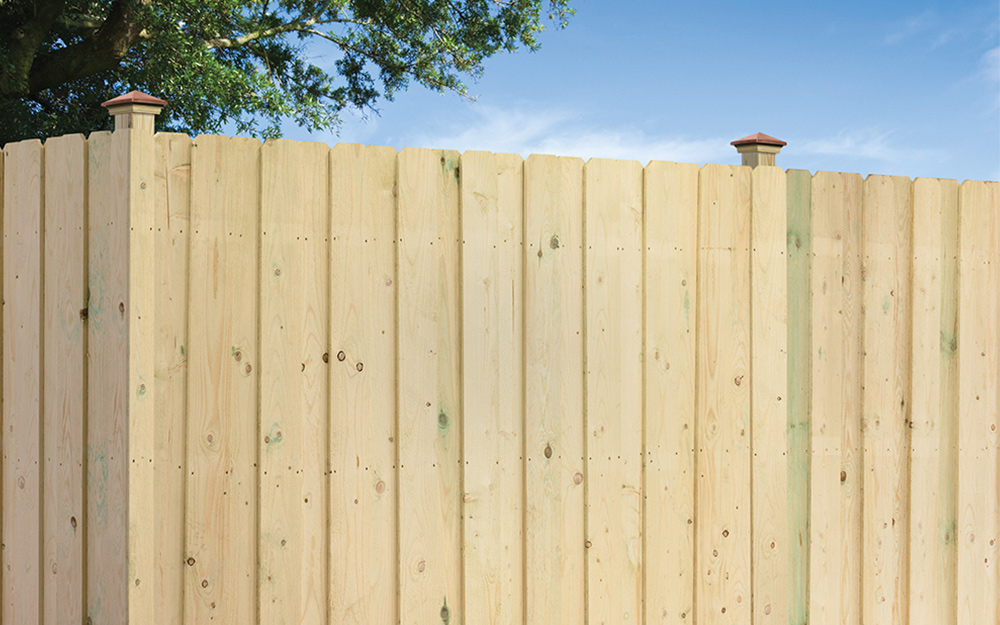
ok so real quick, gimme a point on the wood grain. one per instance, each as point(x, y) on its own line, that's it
point(554, 348)
point(430, 408)
point(799, 279)
point(364, 490)
point(888, 224)
point(769, 393)
point(63, 359)
point(978, 402)
point(23, 400)
point(223, 377)
point(173, 220)
point(294, 381)
point(108, 390)
point(671, 260)
point(492, 357)
point(613, 389)
point(933, 459)
point(722, 514)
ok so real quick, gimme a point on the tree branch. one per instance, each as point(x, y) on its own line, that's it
point(103, 51)
point(301, 25)
point(23, 44)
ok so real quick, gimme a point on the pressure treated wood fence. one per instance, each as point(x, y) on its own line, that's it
point(284, 383)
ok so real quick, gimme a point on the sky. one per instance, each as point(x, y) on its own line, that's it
point(901, 88)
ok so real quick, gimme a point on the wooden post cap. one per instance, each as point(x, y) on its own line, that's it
point(758, 149)
point(135, 110)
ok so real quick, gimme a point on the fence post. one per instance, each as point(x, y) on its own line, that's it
point(122, 226)
point(758, 149)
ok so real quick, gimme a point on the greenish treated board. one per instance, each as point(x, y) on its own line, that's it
point(978, 402)
point(613, 391)
point(826, 409)
point(798, 247)
point(363, 573)
point(769, 392)
point(933, 425)
point(23, 402)
point(173, 205)
point(107, 391)
point(223, 369)
point(722, 433)
point(492, 358)
point(671, 259)
point(430, 410)
point(888, 226)
point(63, 359)
point(294, 382)
point(553, 353)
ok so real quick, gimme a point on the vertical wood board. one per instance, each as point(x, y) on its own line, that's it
point(769, 393)
point(722, 514)
point(364, 577)
point(613, 391)
point(492, 357)
point(64, 356)
point(221, 490)
point(671, 259)
point(554, 349)
point(23, 387)
point(294, 321)
point(888, 223)
point(172, 217)
point(430, 410)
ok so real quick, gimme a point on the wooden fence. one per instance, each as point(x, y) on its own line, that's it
point(284, 383)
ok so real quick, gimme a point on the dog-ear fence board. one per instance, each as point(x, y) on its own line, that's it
point(255, 384)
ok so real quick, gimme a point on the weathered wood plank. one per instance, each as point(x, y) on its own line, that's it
point(23, 402)
point(492, 357)
point(979, 402)
point(172, 214)
point(933, 460)
point(554, 348)
point(852, 454)
point(826, 397)
point(141, 312)
point(221, 489)
point(363, 573)
point(108, 379)
point(294, 382)
point(722, 515)
point(799, 250)
point(769, 392)
point(64, 359)
point(671, 233)
point(888, 223)
point(613, 389)
point(430, 410)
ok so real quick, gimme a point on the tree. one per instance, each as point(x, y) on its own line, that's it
point(244, 62)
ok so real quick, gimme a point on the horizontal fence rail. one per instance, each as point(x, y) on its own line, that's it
point(286, 383)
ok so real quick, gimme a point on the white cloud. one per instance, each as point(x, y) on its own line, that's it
point(864, 143)
point(523, 131)
point(911, 26)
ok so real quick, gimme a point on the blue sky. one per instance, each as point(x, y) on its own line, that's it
point(905, 88)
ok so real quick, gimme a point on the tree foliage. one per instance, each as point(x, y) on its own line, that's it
point(244, 62)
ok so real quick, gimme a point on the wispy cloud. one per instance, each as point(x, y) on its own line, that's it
point(566, 133)
point(861, 143)
point(910, 27)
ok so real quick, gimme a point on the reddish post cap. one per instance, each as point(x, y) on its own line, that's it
point(759, 139)
point(135, 97)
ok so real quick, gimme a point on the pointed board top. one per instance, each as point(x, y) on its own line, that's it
point(759, 138)
point(135, 97)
